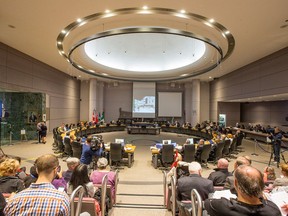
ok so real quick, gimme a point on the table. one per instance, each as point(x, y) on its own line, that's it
point(129, 150)
point(143, 130)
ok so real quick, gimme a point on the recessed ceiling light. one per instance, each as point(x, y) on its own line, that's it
point(59, 42)
point(182, 11)
point(79, 76)
point(104, 74)
point(210, 77)
point(211, 20)
point(79, 20)
point(144, 7)
point(227, 32)
point(107, 11)
point(63, 31)
point(182, 75)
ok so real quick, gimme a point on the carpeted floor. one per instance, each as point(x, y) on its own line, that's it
point(140, 189)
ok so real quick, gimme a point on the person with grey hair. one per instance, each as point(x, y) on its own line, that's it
point(185, 185)
point(249, 185)
point(103, 169)
point(221, 173)
point(71, 162)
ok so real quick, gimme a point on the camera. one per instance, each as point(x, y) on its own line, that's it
point(95, 144)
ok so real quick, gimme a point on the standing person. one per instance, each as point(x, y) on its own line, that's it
point(39, 131)
point(41, 198)
point(43, 132)
point(88, 153)
point(276, 138)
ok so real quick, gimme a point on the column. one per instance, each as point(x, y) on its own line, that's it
point(195, 102)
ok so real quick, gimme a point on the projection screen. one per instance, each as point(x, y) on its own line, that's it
point(169, 104)
point(144, 104)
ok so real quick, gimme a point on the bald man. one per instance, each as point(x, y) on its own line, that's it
point(249, 185)
point(221, 173)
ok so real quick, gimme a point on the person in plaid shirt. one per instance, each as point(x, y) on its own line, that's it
point(41, 198)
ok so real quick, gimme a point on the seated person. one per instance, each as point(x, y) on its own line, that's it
point(249, 185)
point(80, 177)
point(72, 162)
point(8, 181)
point(282, 182)
point(229, 183)
point(59, 181)
point(2, 204)
point(31, 178)
point(221, 173)
point(269, 174)
point(185, 185)
point(199, 150)
point(103, 169)
point(21, 171)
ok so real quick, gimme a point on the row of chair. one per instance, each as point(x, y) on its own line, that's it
point(225, 148)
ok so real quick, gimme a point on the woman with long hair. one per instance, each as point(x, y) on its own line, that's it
point(80, 177)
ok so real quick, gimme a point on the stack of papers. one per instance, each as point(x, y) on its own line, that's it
point(223, 193)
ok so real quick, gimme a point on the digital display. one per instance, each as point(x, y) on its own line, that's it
point(144, 100)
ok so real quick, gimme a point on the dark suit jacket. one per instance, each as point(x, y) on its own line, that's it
point(219, 176)
point(193, 181)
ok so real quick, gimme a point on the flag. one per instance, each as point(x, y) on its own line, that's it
point(96, 119)
point(102, 116)
point(94, 115)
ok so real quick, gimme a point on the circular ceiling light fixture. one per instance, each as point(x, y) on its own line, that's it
point(154, 44)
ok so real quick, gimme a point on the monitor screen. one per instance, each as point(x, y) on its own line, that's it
point(166, 141)
point(119, 141)
point(191, 140)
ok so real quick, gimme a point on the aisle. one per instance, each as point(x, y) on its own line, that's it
point(140, 188)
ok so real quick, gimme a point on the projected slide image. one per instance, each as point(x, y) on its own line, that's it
point(144, 105)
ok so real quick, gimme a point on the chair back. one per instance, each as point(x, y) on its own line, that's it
point(167, 153)
point(67, 146)
point(115, 152)
point(76, 149)
point(239, 139)
point(227, 143)
point(173, 196)
point(189, 153)
point(233, 145)
point(219, 150)
point(103, 194)
point(79, 193)
point(60, 142)
point(112, 201)
point(197, 203)
point(205, 152)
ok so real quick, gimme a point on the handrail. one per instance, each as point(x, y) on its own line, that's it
point(116, 185)
point(165, 187)
point(103, 194)
point(196, 200)
point(79, 192)
point(173, 197)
